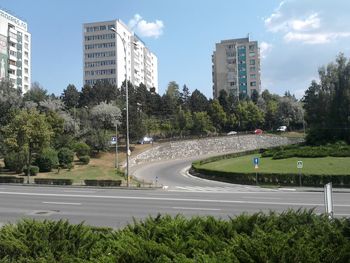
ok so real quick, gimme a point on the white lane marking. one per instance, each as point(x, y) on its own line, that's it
point(61, 203)
point(196, 208)
point(259, 197)
point(173, 199)
point(77, 191)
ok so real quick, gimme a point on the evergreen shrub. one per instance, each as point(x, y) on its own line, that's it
point(47, 160)
point(65, 157)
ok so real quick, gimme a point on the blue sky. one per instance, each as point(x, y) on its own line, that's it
point(295, 37)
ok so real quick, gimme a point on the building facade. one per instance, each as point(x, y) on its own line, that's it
point(104, 57)
point(15, 55)
point(236, 67)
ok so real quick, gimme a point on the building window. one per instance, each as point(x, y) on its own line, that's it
point(26, 46)
point(232, 83)
point(251, 47)
point(26, 37)
point(26, 70)
point(252, 76)
point(251, 54)
point(252, 62)
point(252, 69)
point(253, 83)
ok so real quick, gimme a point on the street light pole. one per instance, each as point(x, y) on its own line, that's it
point(127, 108)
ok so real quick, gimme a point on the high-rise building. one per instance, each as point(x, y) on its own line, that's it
point(104, 56)
point(236, 67)
point(15, 46)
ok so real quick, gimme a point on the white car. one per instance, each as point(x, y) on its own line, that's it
point(282, 128)
point(145, 140)
point(232, 133)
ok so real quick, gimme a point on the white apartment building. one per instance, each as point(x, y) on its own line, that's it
point(15, 55)
point(236, 67)
point(104, 57)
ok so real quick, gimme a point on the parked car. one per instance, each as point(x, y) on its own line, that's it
point(258, 131)
point(232, 133)
point(145, 140)
point(282, 128)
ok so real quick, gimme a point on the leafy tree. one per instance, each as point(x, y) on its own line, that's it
point(70, 96)
point(173, 92)
point(36, 94)
point(185, 122)
point(327, 104)
point(254, 96)
point(249, 115)
point(65, 157)
point(104, 115)
point(82, 149)
point(198, 102)
point(224, 100)
point(218, 115)
point(185, 97)
point(47, 160)
point(86, 98)
point(201, 123)
point(290, 112)
point(28, 131)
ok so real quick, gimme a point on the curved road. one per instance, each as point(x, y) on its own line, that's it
point(172, 174)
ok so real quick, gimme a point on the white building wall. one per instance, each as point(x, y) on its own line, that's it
point(15, 51)
point(135, 52)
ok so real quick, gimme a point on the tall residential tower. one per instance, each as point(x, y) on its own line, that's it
point(104, 56)
point(236, 67)
point(15, 46)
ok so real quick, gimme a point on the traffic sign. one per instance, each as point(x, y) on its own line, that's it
point(300, 164)
point(256, 160)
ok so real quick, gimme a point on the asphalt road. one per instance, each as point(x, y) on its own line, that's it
point(117, 207)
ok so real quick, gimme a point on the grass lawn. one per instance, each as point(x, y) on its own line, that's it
point(244, 164)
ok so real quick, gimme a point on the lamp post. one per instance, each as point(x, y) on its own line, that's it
point(127, 108)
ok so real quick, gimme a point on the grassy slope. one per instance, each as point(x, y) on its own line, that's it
point(327, 165)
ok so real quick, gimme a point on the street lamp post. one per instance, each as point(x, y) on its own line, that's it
point(127, 108)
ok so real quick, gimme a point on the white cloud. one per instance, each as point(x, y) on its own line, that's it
point(146, 29)
point(265, 48)
point(311, 22)
point(299, 21)
point(315, 38)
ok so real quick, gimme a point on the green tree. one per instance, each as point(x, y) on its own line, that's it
point(327, 104)
point(198, 102)
point(70, 96)
point(36, 94)
point(28, 131)
point(217, 115)
point(201, 123)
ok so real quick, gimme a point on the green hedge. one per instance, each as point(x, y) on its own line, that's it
point(92, 182)
point(292, 236)
point(53, 181)
point(85, 159)
point(314, 180)
point(11, 179)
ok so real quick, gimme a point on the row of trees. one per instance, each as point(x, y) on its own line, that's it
point(37, 120)
point(327, 104)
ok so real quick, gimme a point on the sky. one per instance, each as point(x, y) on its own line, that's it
point(296, 37)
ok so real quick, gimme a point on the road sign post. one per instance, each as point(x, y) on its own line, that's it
point(328, 199)
point(256, 166)
point(300, 166)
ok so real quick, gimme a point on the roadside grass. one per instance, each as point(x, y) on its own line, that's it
point(244, 164)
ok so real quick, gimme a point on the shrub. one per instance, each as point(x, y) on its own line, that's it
point(85, 159)
point(47, 160)
point(82, 149)
point(33, 170)
point(92, 182)
point(53, 181)
point(15, 161)
point(65, 157)
point(11, 179)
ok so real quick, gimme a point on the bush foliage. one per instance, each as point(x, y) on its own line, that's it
point(47, 160)
point(293, 236)
point(65, 157)
point(82, 149)
point(15, 161)
point(84, 159)
point(335, 150)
